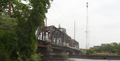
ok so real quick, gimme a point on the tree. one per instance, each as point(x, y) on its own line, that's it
point(82, 51)
point(109, 48)
point(89, 51)
point(7, 23)
point(28, 17)
point(114, 46)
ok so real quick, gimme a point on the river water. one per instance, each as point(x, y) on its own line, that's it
point(79, 59)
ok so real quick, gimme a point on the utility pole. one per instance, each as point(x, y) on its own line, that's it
point(74, 29)
point(45, 22)
point(87, 29)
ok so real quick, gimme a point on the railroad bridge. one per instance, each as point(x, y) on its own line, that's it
point(55, 41)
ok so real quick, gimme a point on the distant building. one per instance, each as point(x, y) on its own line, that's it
point(95, 47)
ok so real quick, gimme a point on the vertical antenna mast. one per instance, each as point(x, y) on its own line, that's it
point(87, 29)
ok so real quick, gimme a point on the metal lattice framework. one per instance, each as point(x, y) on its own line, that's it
point(56, 36)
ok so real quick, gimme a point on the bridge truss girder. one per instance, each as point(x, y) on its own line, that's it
point(56, 36)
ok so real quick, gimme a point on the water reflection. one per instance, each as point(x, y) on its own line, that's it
point(58, 60)
point(79, 59)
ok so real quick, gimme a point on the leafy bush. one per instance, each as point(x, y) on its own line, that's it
point(35, 57)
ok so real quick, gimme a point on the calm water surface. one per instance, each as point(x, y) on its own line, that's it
point(79, 59)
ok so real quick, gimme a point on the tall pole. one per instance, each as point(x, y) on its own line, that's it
point(74, 29)
point(87, 29)
point(46, 21)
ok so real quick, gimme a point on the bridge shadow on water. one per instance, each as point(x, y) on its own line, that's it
point(57, 60)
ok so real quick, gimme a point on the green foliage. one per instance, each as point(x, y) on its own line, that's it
point(35, 57)
point(8, 38)
point(89, 51)
point(4, 3)
point(22, 38)
point(109, 48)
point(64, 54)
point(82, 51)
point(7, 23)
point(8, 44)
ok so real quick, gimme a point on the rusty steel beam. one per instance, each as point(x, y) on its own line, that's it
point(51, 30)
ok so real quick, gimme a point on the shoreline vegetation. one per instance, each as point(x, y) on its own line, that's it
point(104, 49)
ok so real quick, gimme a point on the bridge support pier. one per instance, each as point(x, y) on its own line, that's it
point(77, 52)
point(64, 52)
point(49, 49)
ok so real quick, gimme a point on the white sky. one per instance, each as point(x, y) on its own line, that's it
point(104, 19)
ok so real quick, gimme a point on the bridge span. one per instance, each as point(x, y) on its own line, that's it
point(55, 41)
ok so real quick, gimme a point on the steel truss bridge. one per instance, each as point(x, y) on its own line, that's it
point(55, 41)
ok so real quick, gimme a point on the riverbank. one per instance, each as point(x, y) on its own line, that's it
point(62, 57)
point(96, 57)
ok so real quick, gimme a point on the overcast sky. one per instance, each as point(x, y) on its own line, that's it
point(103, 16)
